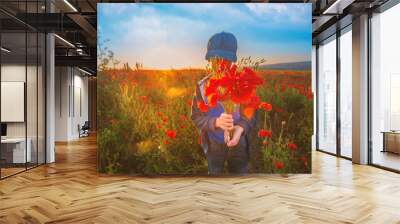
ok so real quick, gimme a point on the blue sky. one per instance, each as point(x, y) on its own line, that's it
point(168, 35)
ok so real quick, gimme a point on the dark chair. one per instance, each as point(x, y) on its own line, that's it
point(84, 130)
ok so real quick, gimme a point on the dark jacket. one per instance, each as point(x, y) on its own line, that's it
point(205, 123)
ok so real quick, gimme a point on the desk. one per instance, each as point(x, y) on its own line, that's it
point(391, 141)
point(13, 150)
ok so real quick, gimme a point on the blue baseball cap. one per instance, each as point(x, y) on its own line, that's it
point(223, 45)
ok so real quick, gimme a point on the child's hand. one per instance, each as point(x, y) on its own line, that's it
point(227, 136)
point(237, 133)
point(224, 121)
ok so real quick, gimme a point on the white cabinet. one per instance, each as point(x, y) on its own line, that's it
point(17, 145)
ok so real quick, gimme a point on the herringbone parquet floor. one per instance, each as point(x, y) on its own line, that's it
point(70, 191)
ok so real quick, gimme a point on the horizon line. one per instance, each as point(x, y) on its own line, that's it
point(202, 68)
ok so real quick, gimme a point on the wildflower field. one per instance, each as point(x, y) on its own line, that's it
point(145, 126)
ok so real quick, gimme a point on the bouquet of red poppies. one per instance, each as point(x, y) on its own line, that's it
point(235, 88)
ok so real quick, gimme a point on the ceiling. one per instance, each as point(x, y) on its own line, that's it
point(74, 22)
point(331, 15)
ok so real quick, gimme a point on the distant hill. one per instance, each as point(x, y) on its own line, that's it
point(303, 65)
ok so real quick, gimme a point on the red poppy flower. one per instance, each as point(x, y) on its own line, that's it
point(220, 87)
point(264, 133)
point(310, 95)
point(165, 142)
point(159, 114)
point(211, 86)
point(165, 119)
point(265, 106)
point(249, 109)
point(276, 87)
point(292, 146)
point(144, 98)
point(244, 85)
point(304, 160)
point(132, 80)
point(189, 102)
point(278, 109)
point(182, 117)
point(202, 106)
point(124, 83)
point(279, 165)
point(254, 102)
point(212, 100)
point(171, 134)
point(233, 85)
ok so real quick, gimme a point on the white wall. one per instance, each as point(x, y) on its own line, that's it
point(9, 73)
point(61, 103)
point(80, 110)
point(16, 73)
point(71, 94)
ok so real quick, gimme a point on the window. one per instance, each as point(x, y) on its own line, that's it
point(346, 92)
point(385, 89)
point(327, 95)
point(22, 76)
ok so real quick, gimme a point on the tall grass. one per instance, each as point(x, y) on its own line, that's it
point(137, 108)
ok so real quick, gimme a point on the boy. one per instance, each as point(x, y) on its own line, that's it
point(213, 122)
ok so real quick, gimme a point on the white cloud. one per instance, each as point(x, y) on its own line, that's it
point(114, 8)
point(280, 12)
point(266, 8)
point(218, 12)
point(196, 8)
point(162, 42)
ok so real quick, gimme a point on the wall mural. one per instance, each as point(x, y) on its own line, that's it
point(204, 88)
